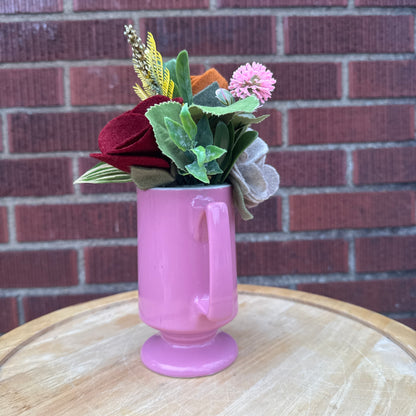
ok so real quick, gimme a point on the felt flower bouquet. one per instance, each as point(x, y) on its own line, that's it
point(189, 130)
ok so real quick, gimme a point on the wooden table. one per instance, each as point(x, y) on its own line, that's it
point(300, 354)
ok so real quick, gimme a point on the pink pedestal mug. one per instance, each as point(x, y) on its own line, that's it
point(187, 278)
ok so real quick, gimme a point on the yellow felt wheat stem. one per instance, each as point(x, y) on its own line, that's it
point(155, 63)
point(141, 67)
point(148, 65)
point(168, 84)
point(140, 92)
point(158, 74)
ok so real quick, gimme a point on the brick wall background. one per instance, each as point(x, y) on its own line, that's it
point(341, 132)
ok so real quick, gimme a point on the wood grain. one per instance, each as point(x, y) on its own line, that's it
point(300, 354)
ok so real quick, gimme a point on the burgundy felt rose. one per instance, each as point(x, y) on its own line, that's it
point(128, 140)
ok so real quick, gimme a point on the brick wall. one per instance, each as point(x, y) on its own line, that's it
point(342, 136)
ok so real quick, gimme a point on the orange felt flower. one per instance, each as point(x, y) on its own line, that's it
point(199, 82)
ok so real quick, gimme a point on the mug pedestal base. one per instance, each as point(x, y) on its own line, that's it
point(194, 360)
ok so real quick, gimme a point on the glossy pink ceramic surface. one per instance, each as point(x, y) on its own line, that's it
point(187, 278)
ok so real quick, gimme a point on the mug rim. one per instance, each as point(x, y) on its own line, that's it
point(188, 187)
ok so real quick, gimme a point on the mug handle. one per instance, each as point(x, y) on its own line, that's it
point(219, 305)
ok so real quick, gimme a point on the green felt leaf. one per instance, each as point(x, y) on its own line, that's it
point(246, 119)
point(231, 134)
point(207, 96)
point(243, 142)
point(178, 134)
point(171, 66)
point(213, 153)
point(247, 105)
point(213, 168)
point(183, 77)
point(239, 203)
point(187, 122)
point(147, 178)
point(200, 154)
point(199, 172)
point(156, 116)
point(204, 134)
point(222, 136)
point(104, 173)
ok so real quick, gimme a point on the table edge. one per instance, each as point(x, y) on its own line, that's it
point(403, 336)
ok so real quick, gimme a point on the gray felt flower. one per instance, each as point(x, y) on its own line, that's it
point(253, 180)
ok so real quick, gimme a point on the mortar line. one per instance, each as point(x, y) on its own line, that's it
point(285, 214)
point(70, 15)
point(68, 8)
point(270, 58)
point(277, 104)
point(349, 169)
point(67, 88)
point(351, 256)
point(4, 134)
point(345, 82)
point(106, 288)
point(280, 38)
point(130, 196)
point(75, 175)
point(253, 237)
point(20, 309)
point(81, 267)
point(11, 222)
point(95, 288)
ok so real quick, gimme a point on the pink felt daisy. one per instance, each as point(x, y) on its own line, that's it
point(252, 79)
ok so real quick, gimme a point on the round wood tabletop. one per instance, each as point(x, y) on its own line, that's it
point(299, 354)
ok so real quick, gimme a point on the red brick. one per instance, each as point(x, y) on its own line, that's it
point(385, 3)
point(81, 221)
point(56, 40)
point(36, 306)
point(311, 168)
point(54, 132)
point(111, 264)
point(270, 130)
point(410, 322)
point(102, 188)
point(351, 124)
point(386, 296)
point(9, 318)
point(4, 230)
point(36, 177)
point(107, 188)
point(348, 34)
point(279, 3)
point(42, 268)
point(292, 257)
point(213, 35)
point(392, 165)
point(299, 80)
point(196, 69)
point(390, 253)
point(30, 6)
point(96, 5)
point(382, 79)
point(31, 87)
point(95, 85)
point(267, 218)
point(351, 210)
